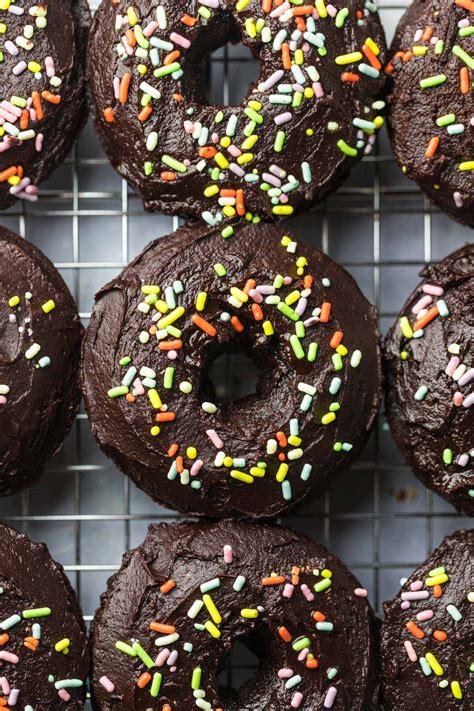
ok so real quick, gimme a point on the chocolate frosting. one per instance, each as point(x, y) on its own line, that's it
point(29, 663)
point(63, 40)
point(435, 433)
point(325, 135)
point(414, 111)
point(38, 397)
point(264, 453)
point(190, 555)
point(446, 635)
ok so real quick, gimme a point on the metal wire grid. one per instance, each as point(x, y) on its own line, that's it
point(377, 517)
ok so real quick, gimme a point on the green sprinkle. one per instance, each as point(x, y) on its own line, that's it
point(126, 649)
point(279, 141)
point(196, 678)
point(220, 269)
point(38, 612)
point(227, 232)
point(445, 120)
point(436, 80)
point(301, 643)
point(288, 311)
point(463, 56)
point(322, 585)
point(312, 351)
point(337, 361)
point(164, 70)
point(118, 391)
point(144, 656)
point(448, 456)
point(174, 164)
point(341, 17)
point(346, 148)
point(168, 378)
point(156, 684)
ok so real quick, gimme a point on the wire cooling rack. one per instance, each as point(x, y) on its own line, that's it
point(378, 518)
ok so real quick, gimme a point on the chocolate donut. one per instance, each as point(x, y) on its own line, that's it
point(40, 336)
point(309, 118)
point(43, 97)
point(431, 108)
point(427, 639)
point(170, 617)
point(44, 652)
point(429, 372)
point(185, 301)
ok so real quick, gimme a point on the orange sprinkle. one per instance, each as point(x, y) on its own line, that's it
point(169, 59)
point(300, 24)
point(312, 663)
point(180, 464)
point(285, 55)
point(165, 417)
point(415, 630)
point(257, 312)
point(173, 449)
point(432, 147)
point(227, 192)
point(350, 76)
point(109, 114)
point(427, 34)
point(440, 635)
point(267, 6)
point(143, 680)
point(295, 575)
point(52, 98)
point(464, 80)
point(408, 55)
point(336, 339)
point(282, 457)
point(161, 628)
point(24, 119)
point(207, 152)
point(130, 397)
point(188, 20)
point(273, 580)
point(19, 171)
point(318, 616)
point(303, 10)
point(178, 97)
point(237, 324)
point(145, 113)
point(170, 345)
point(153, 330)
point(8, 173)
point(204, 325)
point(29, 646)
point(308, 281)
point(33, 641)
point(466, 4)
point(168, 586)
point(249, 284)
point(4, 639)
point(325, 312)
point(284, 634)
point(37, 105)
point(437, 590)
point(168, 175)
point(425, 320)
point(281, 438)
point(3, 703)
point(371, 57)
point(167, 707)
point(124, 87)
point(240, 202)
point(130, 37)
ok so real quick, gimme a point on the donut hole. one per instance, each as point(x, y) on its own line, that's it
point(240, 669)
point(215, 74)
point(231, 374)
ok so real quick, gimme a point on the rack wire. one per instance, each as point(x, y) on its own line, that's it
point(377, 517)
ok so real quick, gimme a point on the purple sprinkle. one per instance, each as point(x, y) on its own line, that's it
point(283, 118)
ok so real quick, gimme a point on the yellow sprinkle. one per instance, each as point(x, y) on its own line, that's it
point(14, 180)
point(191, 452)
point(212, 609)
point(292, 297)
point(268, 328)
point(328, 418)
point(379, 121)
point(405, 327)
point(299, 56)
point(211, 190)
point(228, 461)
point(282, 472)
point(162, 306)
point(241, 476)
point(241, 5)
point(212, 629)
point(437, 580)
point(239, 294)
point(467, 165)
point(201, 299)
point(249, 614)
point(309, 93)
point(34, 67)
point(48, 306)
point(419, 50)
point(245, 158)
point(434, 664)
point(171, 317)
point(285, 241)
point(63, 644)
point(342, 350)
point(155, 399)
point(370, 43)
point(155, 431)
point(255, 105)
point(348, 58)
point(326, 573)
point(249, 142)
point(14, 301)
point(132, 16)
point(282, 209)
point(221, 161)
point(456, 689)
point(257, 471)
point(250, 28)
point(228, 210)
point(225, 142)
point(294, 441)
point(321, 8)
point(150, 289)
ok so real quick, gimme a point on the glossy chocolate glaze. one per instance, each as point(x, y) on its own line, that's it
point(30, 580)
point(424, 429)
point(405, 687)
point(341, 102)
point(413, 111)
point(192, 554)
point(42, 401)
point(64, 39)
point(123, 429)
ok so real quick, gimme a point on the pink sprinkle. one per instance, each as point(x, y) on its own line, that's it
point(215, 137)
point(284, 198)
point(410, 651)
point(280, 10)
point(418, 35)
point(330, 697)
point(417, 585)
point(303, 654)
point(433, 290)
point(287, 280)
point(360, 592)
point(180, 40)
point(8, 657)
point(258, 298)
point(234, 151)
point(215, 439)
point(301, 306)
point(19, 68)
point(188, 126)
point(116, 87)
point(331, 10)
point(196, 467)
point(150, 28)
point(64, 695)
point(452, 365)
point(49, 64)
point(172, 658)
point(107, 684)
point(172, 355)
point(288, 590)
point(162, 657)
point(416, 595)
point(405, 605)
point(458, 201)
point(39, 142)
point(307, 593)
point(318, 89)
point(467, 377)
point(458, 398)
point(296, 700)
point(280, 119)
point(138, 387)
point(5, 685)
point(285, 673)
point(424, 615)
point(3, 400)
point(228, 554)
point(463, 460)
point(10, 47)
point(172, 670)
point(422, 304)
